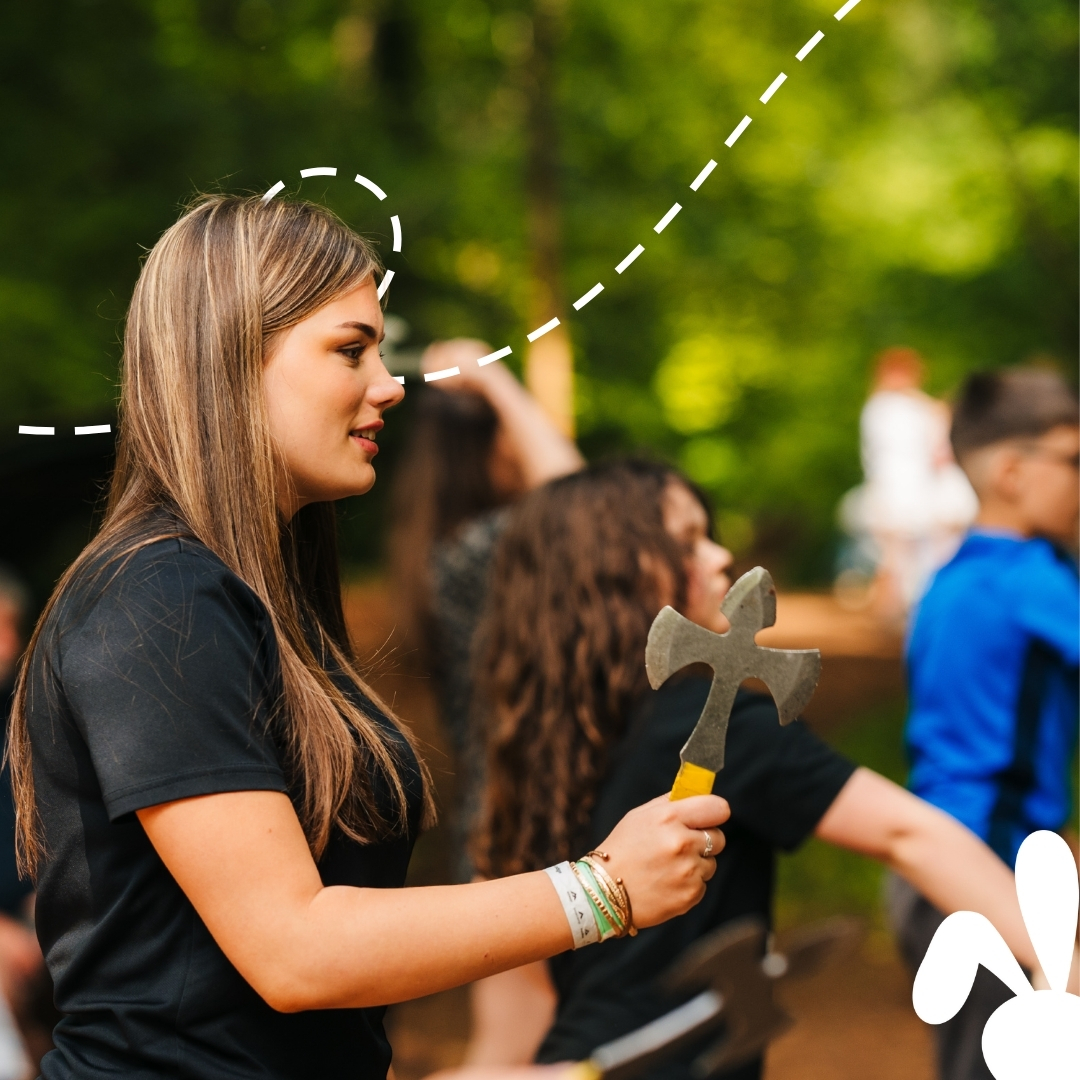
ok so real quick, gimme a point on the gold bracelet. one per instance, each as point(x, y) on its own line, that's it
point(617, 888)
point(607, 886)
point(605, 908)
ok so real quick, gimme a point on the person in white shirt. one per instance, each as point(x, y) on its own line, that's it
point(915, 502)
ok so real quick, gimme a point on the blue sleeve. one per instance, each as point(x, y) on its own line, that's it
point(1047, 598)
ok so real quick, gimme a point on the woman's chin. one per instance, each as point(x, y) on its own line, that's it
point(357, 480)
point(365, 480)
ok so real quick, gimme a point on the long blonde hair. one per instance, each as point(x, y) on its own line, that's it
point(194, 441)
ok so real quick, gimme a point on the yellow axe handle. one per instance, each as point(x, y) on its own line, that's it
point(692, 780)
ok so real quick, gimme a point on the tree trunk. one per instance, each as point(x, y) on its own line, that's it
point(549, 361)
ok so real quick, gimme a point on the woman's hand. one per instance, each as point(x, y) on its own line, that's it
point(533, 449)
point(658, 850)
point(463, 353)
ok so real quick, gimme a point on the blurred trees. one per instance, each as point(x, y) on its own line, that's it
point(913, 182)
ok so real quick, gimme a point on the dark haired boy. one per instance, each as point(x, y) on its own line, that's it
point(993, 652)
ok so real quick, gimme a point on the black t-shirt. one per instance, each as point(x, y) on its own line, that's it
point(160, 684)
point(779, 782)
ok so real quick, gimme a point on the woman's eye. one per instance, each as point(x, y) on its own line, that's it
point(352, 352)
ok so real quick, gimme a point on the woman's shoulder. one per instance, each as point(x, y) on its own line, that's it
point(154, 583)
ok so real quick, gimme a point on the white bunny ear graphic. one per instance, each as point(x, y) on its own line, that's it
point(962, 942)
point(1048, 891)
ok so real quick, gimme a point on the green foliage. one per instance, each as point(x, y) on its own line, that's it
point(913, 182)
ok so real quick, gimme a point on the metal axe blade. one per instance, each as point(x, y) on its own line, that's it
point(790, 674)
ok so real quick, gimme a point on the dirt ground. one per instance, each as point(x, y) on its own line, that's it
point(854, 1020)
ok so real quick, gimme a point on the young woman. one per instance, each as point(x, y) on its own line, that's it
point(575, 737)
point(218, 811)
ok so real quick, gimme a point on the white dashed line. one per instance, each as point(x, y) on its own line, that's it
point(629, 259)
point(805, 51)
point(94, 429)
point(540, 331)
point(595, 291)
point(279, 186)
point(374, 188)
point(29, 429)
point(773, 87)
point(435, 376)
point(395, 221)
point(703, 175)
point(663, 223)
point(744, 123)
point(493, 356)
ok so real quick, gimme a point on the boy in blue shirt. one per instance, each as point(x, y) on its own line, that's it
point(993, 654)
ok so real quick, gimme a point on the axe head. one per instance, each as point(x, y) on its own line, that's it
point(674, 641)
point(730, 961)
point(790, 674)
point(662, 654)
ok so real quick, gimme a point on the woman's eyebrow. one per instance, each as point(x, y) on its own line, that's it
point(364, 328)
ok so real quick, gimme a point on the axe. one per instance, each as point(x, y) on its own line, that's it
point(790, 674)
point(734, 977)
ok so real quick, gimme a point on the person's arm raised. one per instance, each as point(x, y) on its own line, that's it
point(943, 859)
point(242, 860)
point(542, 451)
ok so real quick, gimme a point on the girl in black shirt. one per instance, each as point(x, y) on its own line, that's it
point(575, 737)
point(217, 809)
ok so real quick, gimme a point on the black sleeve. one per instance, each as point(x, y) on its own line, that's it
point(172, 678)
point(778, 780)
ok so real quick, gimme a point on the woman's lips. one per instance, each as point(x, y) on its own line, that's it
point(369, 446)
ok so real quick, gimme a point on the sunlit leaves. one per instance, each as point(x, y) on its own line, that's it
point(914, 181)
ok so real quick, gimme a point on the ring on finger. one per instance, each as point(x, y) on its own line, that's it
point(708, 844)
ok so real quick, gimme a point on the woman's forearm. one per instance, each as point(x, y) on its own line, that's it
point(943, 859)
point(358, 947)
point(540, 449)
point(956, 871)
point(543, 451)
point(242, 860)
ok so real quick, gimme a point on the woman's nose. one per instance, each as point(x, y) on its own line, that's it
point(384, 391)
point(724, 557)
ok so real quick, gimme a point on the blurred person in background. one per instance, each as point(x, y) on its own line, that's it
point(907, 518)
point(576, 735)
point(993, 656)
point(478, 441)
point(22, 968)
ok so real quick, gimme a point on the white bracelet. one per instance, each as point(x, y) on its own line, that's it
point(575, 904)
